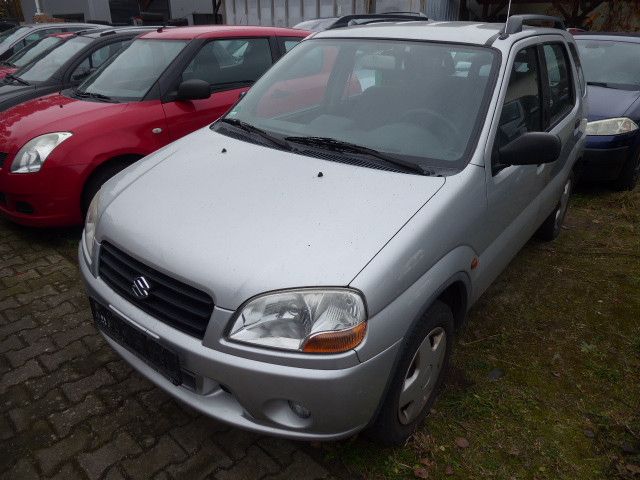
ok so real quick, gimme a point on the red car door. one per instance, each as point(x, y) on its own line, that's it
point(230, 66)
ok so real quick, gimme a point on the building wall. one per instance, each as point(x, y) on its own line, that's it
point(185, 8)
point(91, 9)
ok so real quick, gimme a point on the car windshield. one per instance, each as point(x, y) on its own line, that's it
point(130, 75)
point(11, 35)
point(611, 63)
point(407, 99)
point(42, 69)
point(30, 52)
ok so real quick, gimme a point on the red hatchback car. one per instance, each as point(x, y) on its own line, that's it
point(56, 151)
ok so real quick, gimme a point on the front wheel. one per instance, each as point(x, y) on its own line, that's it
point(418, 377)
point(552, 226)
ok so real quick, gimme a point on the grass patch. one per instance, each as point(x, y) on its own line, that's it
point(563, 323)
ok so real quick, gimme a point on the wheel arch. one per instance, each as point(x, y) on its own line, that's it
point(98, 168)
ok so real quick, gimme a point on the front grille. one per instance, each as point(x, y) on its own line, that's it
point(170, 301)
point(3, 157)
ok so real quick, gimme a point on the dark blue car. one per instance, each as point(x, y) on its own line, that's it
point(611, 64)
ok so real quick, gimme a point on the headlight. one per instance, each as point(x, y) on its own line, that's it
point(308, 320)
point(90, 225)
point(611, 126)
point(31, 157)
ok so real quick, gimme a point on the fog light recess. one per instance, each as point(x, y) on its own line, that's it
point(300, 410)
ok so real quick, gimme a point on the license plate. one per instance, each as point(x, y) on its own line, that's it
point(146, 348)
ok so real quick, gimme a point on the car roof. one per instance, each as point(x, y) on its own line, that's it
point(36, 26)
point(474, 33)
point(111, 31)
point(625, 36)
point(216, 31)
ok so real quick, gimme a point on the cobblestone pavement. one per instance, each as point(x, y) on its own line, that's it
point(70, 408)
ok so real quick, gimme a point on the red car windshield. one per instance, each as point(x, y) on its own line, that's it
point(129, 75)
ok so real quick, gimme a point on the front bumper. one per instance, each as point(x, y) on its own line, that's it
point(604, 156)
point(255, 394)
point(37, 199)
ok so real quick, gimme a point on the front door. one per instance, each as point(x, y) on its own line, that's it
point(230, 66)
point(513, 192)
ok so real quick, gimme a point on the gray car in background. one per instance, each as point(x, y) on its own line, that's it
point(20, 36)
point(301, 267)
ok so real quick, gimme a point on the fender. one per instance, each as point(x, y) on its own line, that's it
point(395, 320)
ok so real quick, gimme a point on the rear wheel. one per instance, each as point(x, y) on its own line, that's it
point(630, 174)
point(418, 377)
point(552, 226)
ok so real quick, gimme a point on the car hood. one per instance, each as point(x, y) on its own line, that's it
point(254, 219)
point(609, 102)
point(52, 113)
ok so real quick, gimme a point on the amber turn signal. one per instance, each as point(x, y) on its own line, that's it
point(336, 342)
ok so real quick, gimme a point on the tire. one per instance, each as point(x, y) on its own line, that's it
point(434, 336)
point(629, 175)
point(97, 179)
point(552, 226)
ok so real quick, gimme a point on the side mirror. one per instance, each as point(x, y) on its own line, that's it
point(533, 148)
point(193, 90)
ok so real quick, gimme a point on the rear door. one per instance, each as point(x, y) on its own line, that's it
point(230, 66)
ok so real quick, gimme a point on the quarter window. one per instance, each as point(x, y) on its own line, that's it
point(559, 81)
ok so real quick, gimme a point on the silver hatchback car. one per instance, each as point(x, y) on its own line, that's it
point(300, 268)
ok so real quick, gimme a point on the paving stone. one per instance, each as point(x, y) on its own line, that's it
point(165, 452)
point(11, 343)
point(22, 417)
point(207, 460)
point(6, 430)
point(255, 464)
point(62, 451)
point(23, 469)
point(68, 472)
point(19, 357)
point(302, 468)
point(68, 336)
point(29, 370)
point(16, 326)
point(64, 421)
point(76, 391)
point(40, 386)
point(235, 442)
point(95, 463)
point(280, 449)
point(53, 360)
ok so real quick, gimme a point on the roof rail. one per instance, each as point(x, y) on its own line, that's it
point(349, 20)
point(515, 23)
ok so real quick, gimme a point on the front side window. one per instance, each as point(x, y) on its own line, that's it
point(522, 110)
point(42, 69)
point(400, 98)
point(7, 38)
point(234, 62)
point(96, 59)
point(612, 64)
point(129, 75)
point(560, 83)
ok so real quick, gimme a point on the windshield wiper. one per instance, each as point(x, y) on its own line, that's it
point(247, 127)
point(346, 147)
point(599, 84)
point(95, 96)
point(8, 64)
point(17, 79)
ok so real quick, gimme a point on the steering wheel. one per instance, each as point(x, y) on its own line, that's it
point(417, 116)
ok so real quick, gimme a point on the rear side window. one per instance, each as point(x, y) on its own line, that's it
point(230, 63)
point(560, 85)
point(289, 43)
point(522, 110)
point(578, 63)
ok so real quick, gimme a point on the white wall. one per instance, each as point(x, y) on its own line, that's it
point(92, 9)
point(184, 8)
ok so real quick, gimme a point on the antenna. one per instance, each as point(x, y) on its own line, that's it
point(508, 11)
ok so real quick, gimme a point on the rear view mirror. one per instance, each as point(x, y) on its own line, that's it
point(533, 148)
point(193, 90)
